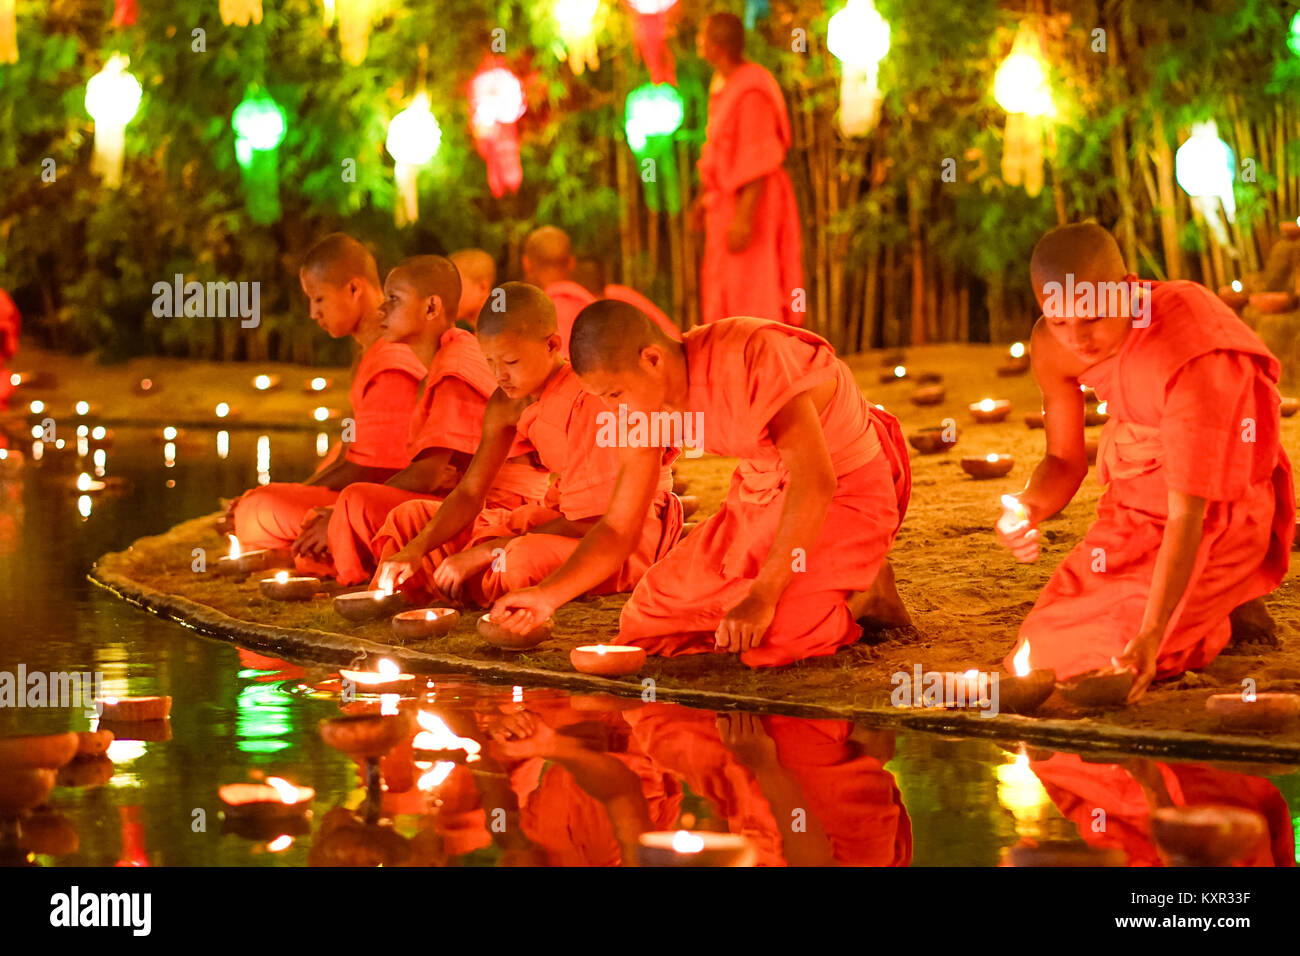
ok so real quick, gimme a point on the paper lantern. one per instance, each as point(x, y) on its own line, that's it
point(1205, 167)
point(413, 140)
point(112, 98)
point(651, 115)
point(1293, 39)
point(8, 32)
point(259, 124)
point(1020, 86)
point(650, 33)
point(754, 11)
point(355, 18)
point(858, 36)
point(576, 22)
point(124, 12)
point(241, 13)
point(496, 102)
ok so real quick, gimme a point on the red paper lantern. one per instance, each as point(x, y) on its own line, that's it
point(650, 29)
point(123, 13)
point(496, 102)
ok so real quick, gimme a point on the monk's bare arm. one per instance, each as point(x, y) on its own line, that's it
point(340, 473)
point(1065, 465)
point(423, 474)
point(741, 227)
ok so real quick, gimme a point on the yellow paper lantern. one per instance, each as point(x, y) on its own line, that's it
point(576, 20)
point(1020, 86)
point(413, 139)
point(241, 13)
point(8, 32)
point(112, 98)
point(858, 37)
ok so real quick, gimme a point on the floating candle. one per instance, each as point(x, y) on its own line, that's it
point(367, 735)
point(607, 660)
point(369, 605)
point(425, 622)
point(498, 636)
point(930, 441)
point(275, 798)
point(134, 709)
point(694, 848)
point(929, 395)
point(987, 466)
point(1103, 687)
point(285, 587)
point(1258, 711)
point(990, 410)
point(386, 678)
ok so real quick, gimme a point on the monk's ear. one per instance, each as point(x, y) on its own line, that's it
point(435, 306)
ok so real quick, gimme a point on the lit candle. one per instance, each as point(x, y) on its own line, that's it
point(987, 466)
point(1236, 285)
point(990, 410)
point(498, 636)
point(222, 410)
point(36, 407)
point(1099, 688)
point(607, 660)
point(240, 561)
point(425, 622)
point(438, 741)
point(1098, 415)
point(318, 384)
point(286, 587)
point(321, 413)
point(87, 485)
point(130, 710)
point(386, 678)
point(895, 374)
point(83, 408)
point(1250, 710)
point(367, 735)
point(694, 848)
point(369, 605)
point(265, 383)
point(1013, 513)
point(1034, 419)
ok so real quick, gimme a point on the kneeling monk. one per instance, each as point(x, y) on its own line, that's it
point(419, 311)
point(1199, 508)
point(459, 549)
point(820, 492)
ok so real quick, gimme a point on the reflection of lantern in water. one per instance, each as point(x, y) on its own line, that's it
point(652, 115)
point(1205, 167)
point(650, 31)
point(496, 102)
point(133, 851)
point(112, 98)
point(259, 123)
point(576, 22)
point(1020, 87)
point(413, 140)
point(265, 720)
point(858, 36)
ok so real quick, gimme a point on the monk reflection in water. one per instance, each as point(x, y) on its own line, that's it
point(1198, 515)
point(1128, 792)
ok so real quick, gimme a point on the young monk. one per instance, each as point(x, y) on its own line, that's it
point(548, 263)
point(752, 263)
point(812, 510)
point(444, 428)
point(1199, 508)
point(461, 550)
point(478, 274)
point(341, 282)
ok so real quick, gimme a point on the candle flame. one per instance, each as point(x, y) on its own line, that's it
point(440, 772)
point(235, 550)
point(83, 482)
point(321, 413)
point(1018, 350)
point(436, 735)
point(900, 371)
point(1101, 409)
point(1020, 663)
point(262, 382)
point(318, 384)
point(1236, 285)
point(282, 842)
point(282, 576)
point(287, 791)
point(222, 410)
point(686, 842)
point(387, 669)
point(83, 407)
point(1249, 697)
point(15, 379)
point(992, 458)
point(987, 405)
point(37, 407)
point(388, 704)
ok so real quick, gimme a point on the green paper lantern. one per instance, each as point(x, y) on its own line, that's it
point(259, 123)
point(1293, 41)
point(652, 114)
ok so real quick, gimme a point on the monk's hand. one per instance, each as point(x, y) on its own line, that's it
point(538, 739)
point(521, 611)
point(745, 624)
point(738, 234)
point(1140, 658)
point(1019, 536)
point(314, 538)
point(456, 570)
point(397, 569)
point(748, 741)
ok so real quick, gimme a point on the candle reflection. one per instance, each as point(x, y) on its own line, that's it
point(322, 444)
point(169, 454)
point(101, 460)
point(263, 459)
point(223, 445)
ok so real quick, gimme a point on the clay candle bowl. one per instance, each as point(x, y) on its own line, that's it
point(1207, 835)
point(1271, 302)
point(149, 731)
point(369, 605)
point(277, 799)
point(1289, 406)
point(498, 636)
point(1254, 711)
point(386, 678)
point(93, 743)
point(86, 772)
point(1104, 687)
point(694, 848)
point(367, 735)
point(240, 561)
point(1096, 416)
point(607, 660)
point(1034, 419)
point(1291, 230)
point(285, 587)
point(49, 751)
point(990, 410)
point(930, 395)
point(896, 374)
point(1234, 299)
point(130, 710)
point(1024, 695)
point(1017, 361)
point(425, 622)
point(987, 466)
point(930, 441)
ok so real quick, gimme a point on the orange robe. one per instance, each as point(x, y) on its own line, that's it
point(851, 794)
point(569, 298)
point(449, 416)
point(383, 393)
point(747, 138)
point(561, 428)
point(742, 371)
point(1079, 788)
point(621, 293)
point(10, 325)
point(1193, 406)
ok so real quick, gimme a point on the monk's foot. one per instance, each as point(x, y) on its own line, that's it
point(880, 608)
point(1253, 628)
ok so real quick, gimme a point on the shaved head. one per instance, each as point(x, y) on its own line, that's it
point(549, 248)
point(522, 309)
point(727, 33)
point(432, 275)
point(609, 336)
point(338, 258)
point(475, 266)
point(1084, 250)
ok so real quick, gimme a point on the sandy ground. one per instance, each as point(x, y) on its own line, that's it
point(967, 596)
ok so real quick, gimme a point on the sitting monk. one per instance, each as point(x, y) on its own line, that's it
point(1199, 508)
point(341, 281)
point(813, 508)
point(444, 428)
point(590, 273)
point(461, 550)
point(478, 274)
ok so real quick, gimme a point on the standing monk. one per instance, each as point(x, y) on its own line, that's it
point(478, 274)
point(341, 282)
point(811, 513)
point(752, 255)
point(461, 549)
point(1199, 508)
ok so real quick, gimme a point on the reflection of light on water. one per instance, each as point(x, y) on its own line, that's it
point(84, 506)
point(169, 454)
point(223, 445)
point(1020, 791)
point(282, 842)
point(101, 460)
point(440, 772)
point(322, 444)
point(517, 695)
point(123, 753)
point(263, 718)
point(83, 446)
point(38, 448)
point(263, 459)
